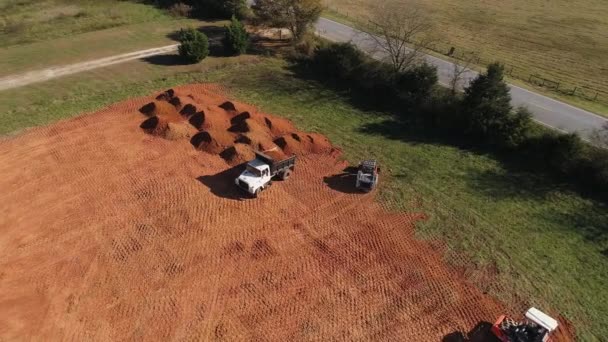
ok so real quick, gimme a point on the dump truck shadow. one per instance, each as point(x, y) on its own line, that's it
point(222, 184)
point(480, 333)
point(344, 181)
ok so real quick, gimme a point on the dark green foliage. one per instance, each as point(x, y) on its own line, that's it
point(487, 113)
point(483, 119)
point(194, 45)
point(236, 40)
point(344, 64)
point(221, 8)
point(415, 85)
point(338, 61)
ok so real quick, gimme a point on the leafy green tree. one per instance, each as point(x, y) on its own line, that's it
point(296, 15)
point(236, 39)
point(194, 45)
point(222, 8)
point(487, 110)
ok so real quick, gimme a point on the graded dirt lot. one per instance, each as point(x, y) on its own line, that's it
point(110, 233)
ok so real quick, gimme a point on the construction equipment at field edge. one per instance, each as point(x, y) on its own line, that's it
point(536, 327)
point(367, 175)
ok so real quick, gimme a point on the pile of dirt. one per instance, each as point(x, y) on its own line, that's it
point(225, 128)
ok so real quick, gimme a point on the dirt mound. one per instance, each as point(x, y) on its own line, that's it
point(240, 118)
point(188, 110)
point(154, 126)
point(205, 142)
point(179, 130)
point(228, 106)
point(197, 120)
point(237, 154)
point(166, 96)
point(242, 139)
point(158, 108)
point(223, 127)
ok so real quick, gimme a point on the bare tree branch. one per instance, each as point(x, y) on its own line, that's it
point(459, 69)
point(400, 33)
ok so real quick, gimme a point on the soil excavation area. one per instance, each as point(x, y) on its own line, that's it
point(126, 224)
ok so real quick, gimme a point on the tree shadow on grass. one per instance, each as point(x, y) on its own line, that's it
point(166, 60)
point(513, 180)
point(222, 184)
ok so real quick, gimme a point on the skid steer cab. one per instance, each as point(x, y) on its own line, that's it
point(536, 327)
point(259, 173)
point(367, 175)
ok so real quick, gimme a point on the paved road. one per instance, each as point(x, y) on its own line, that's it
point(545, 110)
point(21, 80)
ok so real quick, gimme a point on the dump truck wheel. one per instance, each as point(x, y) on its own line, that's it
point(286, 174)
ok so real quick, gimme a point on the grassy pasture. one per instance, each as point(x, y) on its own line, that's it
point(27, 21)
point(560, 40)
point(518, 235)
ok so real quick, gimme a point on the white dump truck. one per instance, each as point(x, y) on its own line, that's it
point(259, 173)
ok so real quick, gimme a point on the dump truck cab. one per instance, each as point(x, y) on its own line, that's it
point(367, 175)
point(537, 327)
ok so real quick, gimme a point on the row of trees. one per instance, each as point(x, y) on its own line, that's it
point(482, 117)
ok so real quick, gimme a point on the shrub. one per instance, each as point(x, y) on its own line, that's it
point(338, 61)
point(236, 39)
point(486, 110)
point(416, 84)
point(222, 8)
point(180, 9)
point(194, 45)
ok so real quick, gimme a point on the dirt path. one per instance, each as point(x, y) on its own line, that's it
point(15, 81)
point(108, 233)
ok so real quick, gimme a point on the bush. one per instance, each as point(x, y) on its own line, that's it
point(338, 61)
point(236, 39)
point(180, 10)
point(486, 111)
point(194, 45)
point(416, 84)
point(222, 8)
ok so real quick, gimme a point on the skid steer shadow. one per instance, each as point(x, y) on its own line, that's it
point(222, 184)
point(344, 181)
point(480, 333)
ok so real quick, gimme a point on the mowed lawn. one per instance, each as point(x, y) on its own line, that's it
point(561, 40)
point(42, 34)
point(522, 238)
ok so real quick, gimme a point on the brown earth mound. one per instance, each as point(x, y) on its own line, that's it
point(223, 128)
point(138, 237)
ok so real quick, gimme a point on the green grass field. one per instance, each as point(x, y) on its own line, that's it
point(110, 28)
point(27, 21)
point(544, 244)
point(561, 40)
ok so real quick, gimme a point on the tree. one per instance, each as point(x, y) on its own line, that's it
point(600, 136)
point(296, 15)
point(236, 39)
point(487, 110)
point(416, 84)
point(459, 70)
point(222, 8)
point(194, 45)
point(399, 33)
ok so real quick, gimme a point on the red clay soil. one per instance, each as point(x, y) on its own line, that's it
point(109, 233)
